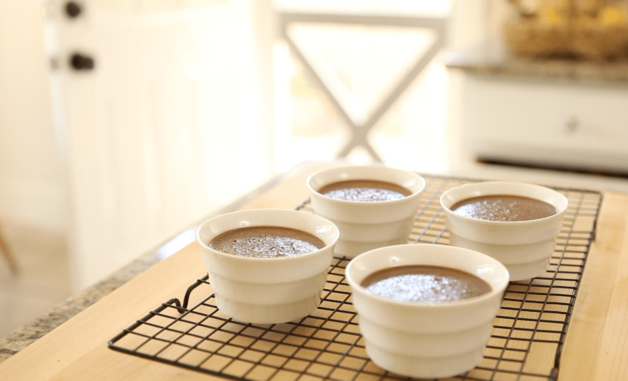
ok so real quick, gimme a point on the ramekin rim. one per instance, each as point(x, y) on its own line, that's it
point(248, 259)
point(557, 215)
point(450, 304)
point(411, 196)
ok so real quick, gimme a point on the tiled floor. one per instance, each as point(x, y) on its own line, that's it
point(43, 280)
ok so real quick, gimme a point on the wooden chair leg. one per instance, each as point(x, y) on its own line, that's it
point(6, 252)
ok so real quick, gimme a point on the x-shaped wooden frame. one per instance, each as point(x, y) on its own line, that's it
point(333, 86)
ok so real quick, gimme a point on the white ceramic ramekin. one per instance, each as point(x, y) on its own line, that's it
point(524, 247)
point(367, 225)
point(426, 340)
point(268, 290)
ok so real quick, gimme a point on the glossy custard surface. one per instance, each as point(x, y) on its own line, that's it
point(365, 191)
point(266, 242)
point(426, 284)
point(504, 208)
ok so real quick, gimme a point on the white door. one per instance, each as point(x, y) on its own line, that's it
point(167, 113)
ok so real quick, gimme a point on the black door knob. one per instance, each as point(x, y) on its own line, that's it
point(81, 62)
point(73, 9)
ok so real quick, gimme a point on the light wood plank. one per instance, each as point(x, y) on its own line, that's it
point(78, 349)
point(613, 354)
point(588, 322)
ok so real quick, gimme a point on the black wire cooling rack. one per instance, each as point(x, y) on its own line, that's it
point(526, 344)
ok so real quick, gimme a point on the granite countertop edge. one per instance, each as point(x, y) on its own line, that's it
point(31, 332)
point(579, 71)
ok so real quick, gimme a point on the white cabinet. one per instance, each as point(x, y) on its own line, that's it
point(540, 123)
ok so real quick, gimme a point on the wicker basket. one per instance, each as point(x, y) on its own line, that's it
point(599, 42)
point(528, 37)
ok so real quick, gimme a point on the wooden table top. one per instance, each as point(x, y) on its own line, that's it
point(77, 350)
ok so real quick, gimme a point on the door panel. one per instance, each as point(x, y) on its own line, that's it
point(159, 132)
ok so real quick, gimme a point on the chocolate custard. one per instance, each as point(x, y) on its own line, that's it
point(266, 242)
point(426, 284)
point(504, 208)
point(364, 190)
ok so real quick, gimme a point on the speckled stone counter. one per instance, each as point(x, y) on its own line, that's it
point(26, 335)
point(572, 70)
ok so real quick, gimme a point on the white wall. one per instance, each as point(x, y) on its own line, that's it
point(32, 181)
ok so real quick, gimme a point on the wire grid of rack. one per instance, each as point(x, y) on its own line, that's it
point(526, 343)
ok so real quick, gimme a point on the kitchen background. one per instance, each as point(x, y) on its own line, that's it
point(122, 122)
